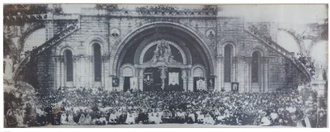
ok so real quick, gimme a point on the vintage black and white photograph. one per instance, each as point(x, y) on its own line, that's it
point(165, 65)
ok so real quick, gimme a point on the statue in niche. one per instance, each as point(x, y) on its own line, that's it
point(163, 53)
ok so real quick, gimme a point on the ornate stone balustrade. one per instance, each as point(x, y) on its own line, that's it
point(149, 12)
point(23, 17)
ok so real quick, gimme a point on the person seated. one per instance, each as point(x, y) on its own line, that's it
point(274, 117)
point(88, 120)
point(200, 116)
point(130, 118)
point(180, 116)
point(167, 116)
point(113, 117)
point(102, 120)
point(64, 119)
point(158, 117)
point(265, 121)
point(81, 119)
point(151, 116)
point(143, 117)
point(70, 118)
point(191, 116)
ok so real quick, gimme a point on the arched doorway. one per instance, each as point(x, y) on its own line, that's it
point(147, 49)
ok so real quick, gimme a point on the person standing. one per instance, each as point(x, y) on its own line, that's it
point(130, 118)
point(81, 119)
point(19, 118)
point(64, 119)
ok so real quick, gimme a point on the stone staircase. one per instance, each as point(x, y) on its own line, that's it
point(49, 43)
point(270, 43)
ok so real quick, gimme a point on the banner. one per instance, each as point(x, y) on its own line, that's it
point(173, 78)
point(115, 82)
point(201, 85)
point(234, 86)
point(133, 82)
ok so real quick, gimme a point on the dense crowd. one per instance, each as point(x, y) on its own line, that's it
point(97, 107)
point(308, 64)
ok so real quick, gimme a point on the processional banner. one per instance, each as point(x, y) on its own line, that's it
point(133, 82)
point(173, 78)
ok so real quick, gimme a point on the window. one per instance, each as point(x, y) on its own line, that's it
point(69, 65)
point(255, 66)
point(227, 61)
point(97, 62)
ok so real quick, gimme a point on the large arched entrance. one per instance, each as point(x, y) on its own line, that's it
point(163, 56)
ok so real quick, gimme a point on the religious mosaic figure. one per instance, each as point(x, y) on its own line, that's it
point(163, 53)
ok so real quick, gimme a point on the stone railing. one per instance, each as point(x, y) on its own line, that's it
point(49, 43)
point(147, 13)
point(26, 17)
point(269, 42)
point(63, 16)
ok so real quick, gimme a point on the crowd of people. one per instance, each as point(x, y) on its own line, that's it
point(97, 107)
point(308, 64)
point(94, 106)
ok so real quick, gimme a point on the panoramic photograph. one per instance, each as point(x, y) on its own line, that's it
point(165, 65)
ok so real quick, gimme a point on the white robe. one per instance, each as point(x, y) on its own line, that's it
point(192, 116)
point(103, 119)
point(112, 118)
point(70, 119)
point(158, 117)
point(88, 120)
point(19, 119)
point(81, 119)
point(130, 118)
point(63, 119)
point(208, 120)
point(265, 121)
point(274, 116)
point(151, 117)
point(200, 116)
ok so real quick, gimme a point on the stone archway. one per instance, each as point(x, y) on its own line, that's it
point(189, 46)
point(174, 31)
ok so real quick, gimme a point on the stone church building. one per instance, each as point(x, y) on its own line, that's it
point(157, 48)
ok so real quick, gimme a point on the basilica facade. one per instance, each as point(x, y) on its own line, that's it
point(160, 48)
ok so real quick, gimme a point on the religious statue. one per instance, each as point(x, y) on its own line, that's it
point(162, 53)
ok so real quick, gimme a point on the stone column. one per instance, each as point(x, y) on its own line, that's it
point(248, 75)
point(266, 75)
point(91, 71)
point(219, 80)
point(63, 75)
point(261, 75)
point(191, 84)
point(105, 60)
point(75, 69)
point(140, 78)
point(184, 78)
point(234, 69)
point(245, 70)
point(57, 78)
point(121, 84)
